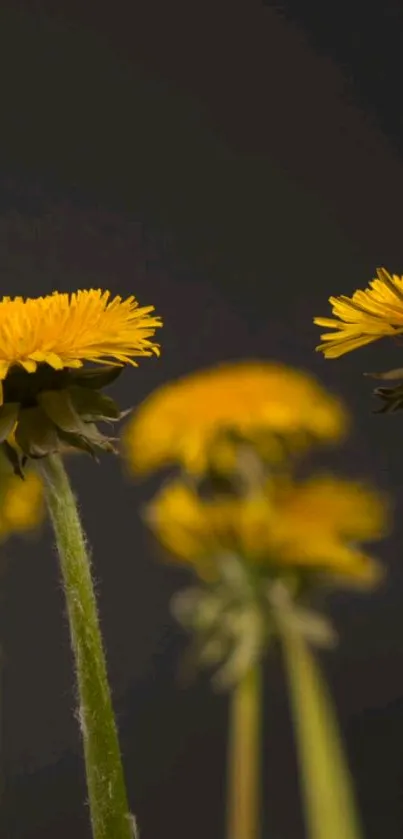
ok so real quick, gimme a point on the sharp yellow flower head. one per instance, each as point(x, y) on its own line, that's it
point(49, 400)
point(64, 330)
point(313, 526)
point(376, 312)
point(197, 418)
point(21, 502)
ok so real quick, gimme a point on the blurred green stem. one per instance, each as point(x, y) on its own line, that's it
point(330, 811)
point(244, 748)
point(110, 817)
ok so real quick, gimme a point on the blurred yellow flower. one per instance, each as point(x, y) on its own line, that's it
point(21, 502)
point(376, 312)
point(312, 526)
point(186, 421)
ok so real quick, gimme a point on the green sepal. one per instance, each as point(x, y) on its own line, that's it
point(8, 417)
point(71, 428)
point(95, 378)
point(58, 406)
point(36, 434)
point(92, 444)
point(14, 459)
point(92, 405)
point(96, 438)
point(392, 398)
point(76, 441)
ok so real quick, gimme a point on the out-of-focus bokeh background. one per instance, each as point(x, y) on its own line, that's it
point(233, 165)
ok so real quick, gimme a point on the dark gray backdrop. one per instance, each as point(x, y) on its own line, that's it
point(232, 166)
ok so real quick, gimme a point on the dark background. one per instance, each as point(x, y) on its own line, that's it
point(232, 164)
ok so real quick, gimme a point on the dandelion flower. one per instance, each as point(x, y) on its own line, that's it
point(313, 526)
point(64, 330)
point(189, 420)
point(376, 312)
point(49, 400)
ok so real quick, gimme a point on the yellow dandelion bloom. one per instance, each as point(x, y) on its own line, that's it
point(376, 312)
point(184, 420)
point(313, 526)
point(48, 399)
point(320, 522)
point(64, 330)
point(21, 502)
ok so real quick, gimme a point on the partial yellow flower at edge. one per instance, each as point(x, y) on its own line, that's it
point(182, 422)
point(313, 526)
point(370, 314)
point(21, 503)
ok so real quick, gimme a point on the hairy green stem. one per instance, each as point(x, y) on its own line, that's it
point(110, 817)
point(329, 805)
point(244, 777)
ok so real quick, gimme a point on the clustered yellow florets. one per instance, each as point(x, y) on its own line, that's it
point(215, 425)
point(192, 420)
point(313, 526)
point(249, 406)
point(64, 330)
point(259, 540)
point(376, 312)
point(48, 399)
point(50, 403)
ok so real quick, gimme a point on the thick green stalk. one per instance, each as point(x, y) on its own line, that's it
point(244, 748)
point(110, 817)
point(330, 811)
